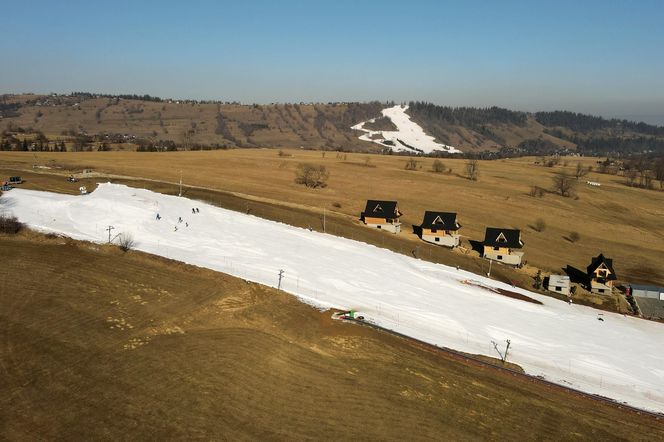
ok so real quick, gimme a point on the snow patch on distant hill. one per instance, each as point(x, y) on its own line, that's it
point(409, 136)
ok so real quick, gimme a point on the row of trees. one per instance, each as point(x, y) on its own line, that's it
point(588, 123)
point(472, 117)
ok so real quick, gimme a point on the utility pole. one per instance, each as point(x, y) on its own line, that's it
point(281, 275)
point(180, 194)
point(489, 273)
point(109, 229)
point(324, 231)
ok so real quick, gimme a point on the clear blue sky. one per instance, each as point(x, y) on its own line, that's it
point(602, 57)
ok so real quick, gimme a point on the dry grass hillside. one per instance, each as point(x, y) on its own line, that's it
point(97, 344)
point(189, 124)
point(621, 221)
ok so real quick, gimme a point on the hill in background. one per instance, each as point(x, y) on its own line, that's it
point(128, 122)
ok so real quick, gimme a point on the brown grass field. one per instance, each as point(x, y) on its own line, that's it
point(96, 344)
point(624, 223)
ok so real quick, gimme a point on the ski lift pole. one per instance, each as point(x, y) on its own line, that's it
point(281, 275)
point(109, 229)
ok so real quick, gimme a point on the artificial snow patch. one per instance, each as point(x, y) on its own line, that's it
point(620, 357)
point(409, 136)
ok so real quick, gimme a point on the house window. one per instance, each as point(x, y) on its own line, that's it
point(437, 239)
point(500, 257)
point(601, 290)
point(559, 289)
point(496, 248)
point(434, 230)
point(378, 227)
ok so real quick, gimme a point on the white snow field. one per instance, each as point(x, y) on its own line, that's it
point(409, 136)
point(619, 357)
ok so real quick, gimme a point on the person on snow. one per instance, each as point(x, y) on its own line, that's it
point(158, 217)
point(176, 228)
point(179, 219)
point(186, 224)
point(193, 210)
point(197, 211)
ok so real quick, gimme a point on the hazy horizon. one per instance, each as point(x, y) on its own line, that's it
point(593, 57)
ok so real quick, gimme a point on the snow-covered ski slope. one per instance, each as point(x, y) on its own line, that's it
point(409, 136)
point(620, 357)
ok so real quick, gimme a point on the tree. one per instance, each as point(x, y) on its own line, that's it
point(659, 172)
point(581, 170)
point(540, 225)
point(564, 184)
point(10, 224)
point(126, 242)
point(438, 166)
point(411, 164)
point(473, 169)
point(536, 191)
point(311, 175)
point(574, 237)
point(631, 175)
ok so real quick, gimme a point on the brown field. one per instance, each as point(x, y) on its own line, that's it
point(105, 345)
point(622, 222)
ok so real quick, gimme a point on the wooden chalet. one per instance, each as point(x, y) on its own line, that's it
point(601, 275)
point(440, 228)
point(503, 245)
point(382, 215)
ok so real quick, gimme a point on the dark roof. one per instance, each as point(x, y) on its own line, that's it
point(381, 209)
point(495, 237)
point(440, 220)
point(597, 261)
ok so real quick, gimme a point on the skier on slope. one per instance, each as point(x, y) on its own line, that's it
point(158, 217)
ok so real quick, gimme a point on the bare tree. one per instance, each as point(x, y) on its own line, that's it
point(10, 224)
point(659, 172)
point(473, 169)
point(536, 191)
point(311, 175)
point(411, 164)
point(187, 138)
point(581, 170)
point(564, 184)
point(438, 166)
point(631, 175)
point(126, 242)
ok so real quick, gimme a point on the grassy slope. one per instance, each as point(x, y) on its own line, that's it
point(266, 125)
point(313, 126)
point(622, 222)
point(203, 355)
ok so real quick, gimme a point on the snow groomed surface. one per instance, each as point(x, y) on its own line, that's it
point(620, 357)
point(409, 136)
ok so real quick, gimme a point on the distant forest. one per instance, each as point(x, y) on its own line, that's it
point(588, 123)
point(472, 117)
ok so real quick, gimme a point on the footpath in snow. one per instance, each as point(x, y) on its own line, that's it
point(620, 357)
point(409, 136)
